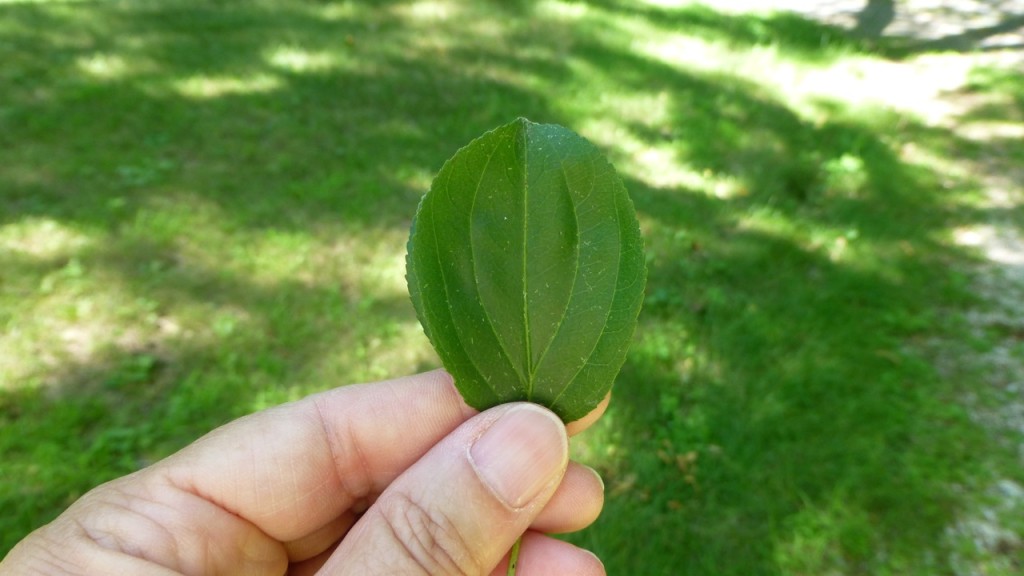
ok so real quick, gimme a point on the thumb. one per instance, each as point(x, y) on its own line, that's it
point(461, 507)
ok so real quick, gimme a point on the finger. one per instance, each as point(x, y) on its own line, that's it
point(65, 547)
point(293, 469)
point(461, 507)
point(323, 538)
point(140, 518)
point(313, 565)
point(541, 555)
point(576, 503)
point(577, 426)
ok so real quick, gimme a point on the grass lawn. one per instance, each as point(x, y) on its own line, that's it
point(204, 209)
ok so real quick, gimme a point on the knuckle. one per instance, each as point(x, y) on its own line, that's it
point(429, 538)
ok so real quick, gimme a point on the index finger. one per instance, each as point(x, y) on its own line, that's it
point(294, 468)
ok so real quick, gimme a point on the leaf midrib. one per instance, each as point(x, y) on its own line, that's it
point(528, 348)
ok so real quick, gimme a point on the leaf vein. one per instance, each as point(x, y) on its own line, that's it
point(528, 349)
point(476, 280)
point(448, 298)
point(575, 277)
point(611, 307)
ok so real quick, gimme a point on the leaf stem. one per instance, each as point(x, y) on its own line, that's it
point(513, 557)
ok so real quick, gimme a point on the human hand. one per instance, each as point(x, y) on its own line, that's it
point(397, 477)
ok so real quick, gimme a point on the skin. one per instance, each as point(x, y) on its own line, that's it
point(396, 477)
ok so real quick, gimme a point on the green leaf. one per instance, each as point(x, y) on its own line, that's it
point(526, 269)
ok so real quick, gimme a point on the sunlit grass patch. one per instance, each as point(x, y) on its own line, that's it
point(42, 238)
point(214, 86)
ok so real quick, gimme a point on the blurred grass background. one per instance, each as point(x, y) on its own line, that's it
point(204, 209)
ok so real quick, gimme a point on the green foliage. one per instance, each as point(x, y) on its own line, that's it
point(526, 269)
point(204, 208)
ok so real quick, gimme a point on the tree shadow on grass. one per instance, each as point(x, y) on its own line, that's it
point(775, 403)
point(970, 40)
point(773, 416)
point(876, 16)
point(800, 38)
point(766, 414)
point(285, 119)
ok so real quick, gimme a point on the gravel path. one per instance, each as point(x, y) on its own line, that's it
point(999, 280)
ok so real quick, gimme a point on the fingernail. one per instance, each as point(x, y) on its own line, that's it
point(521, 454)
